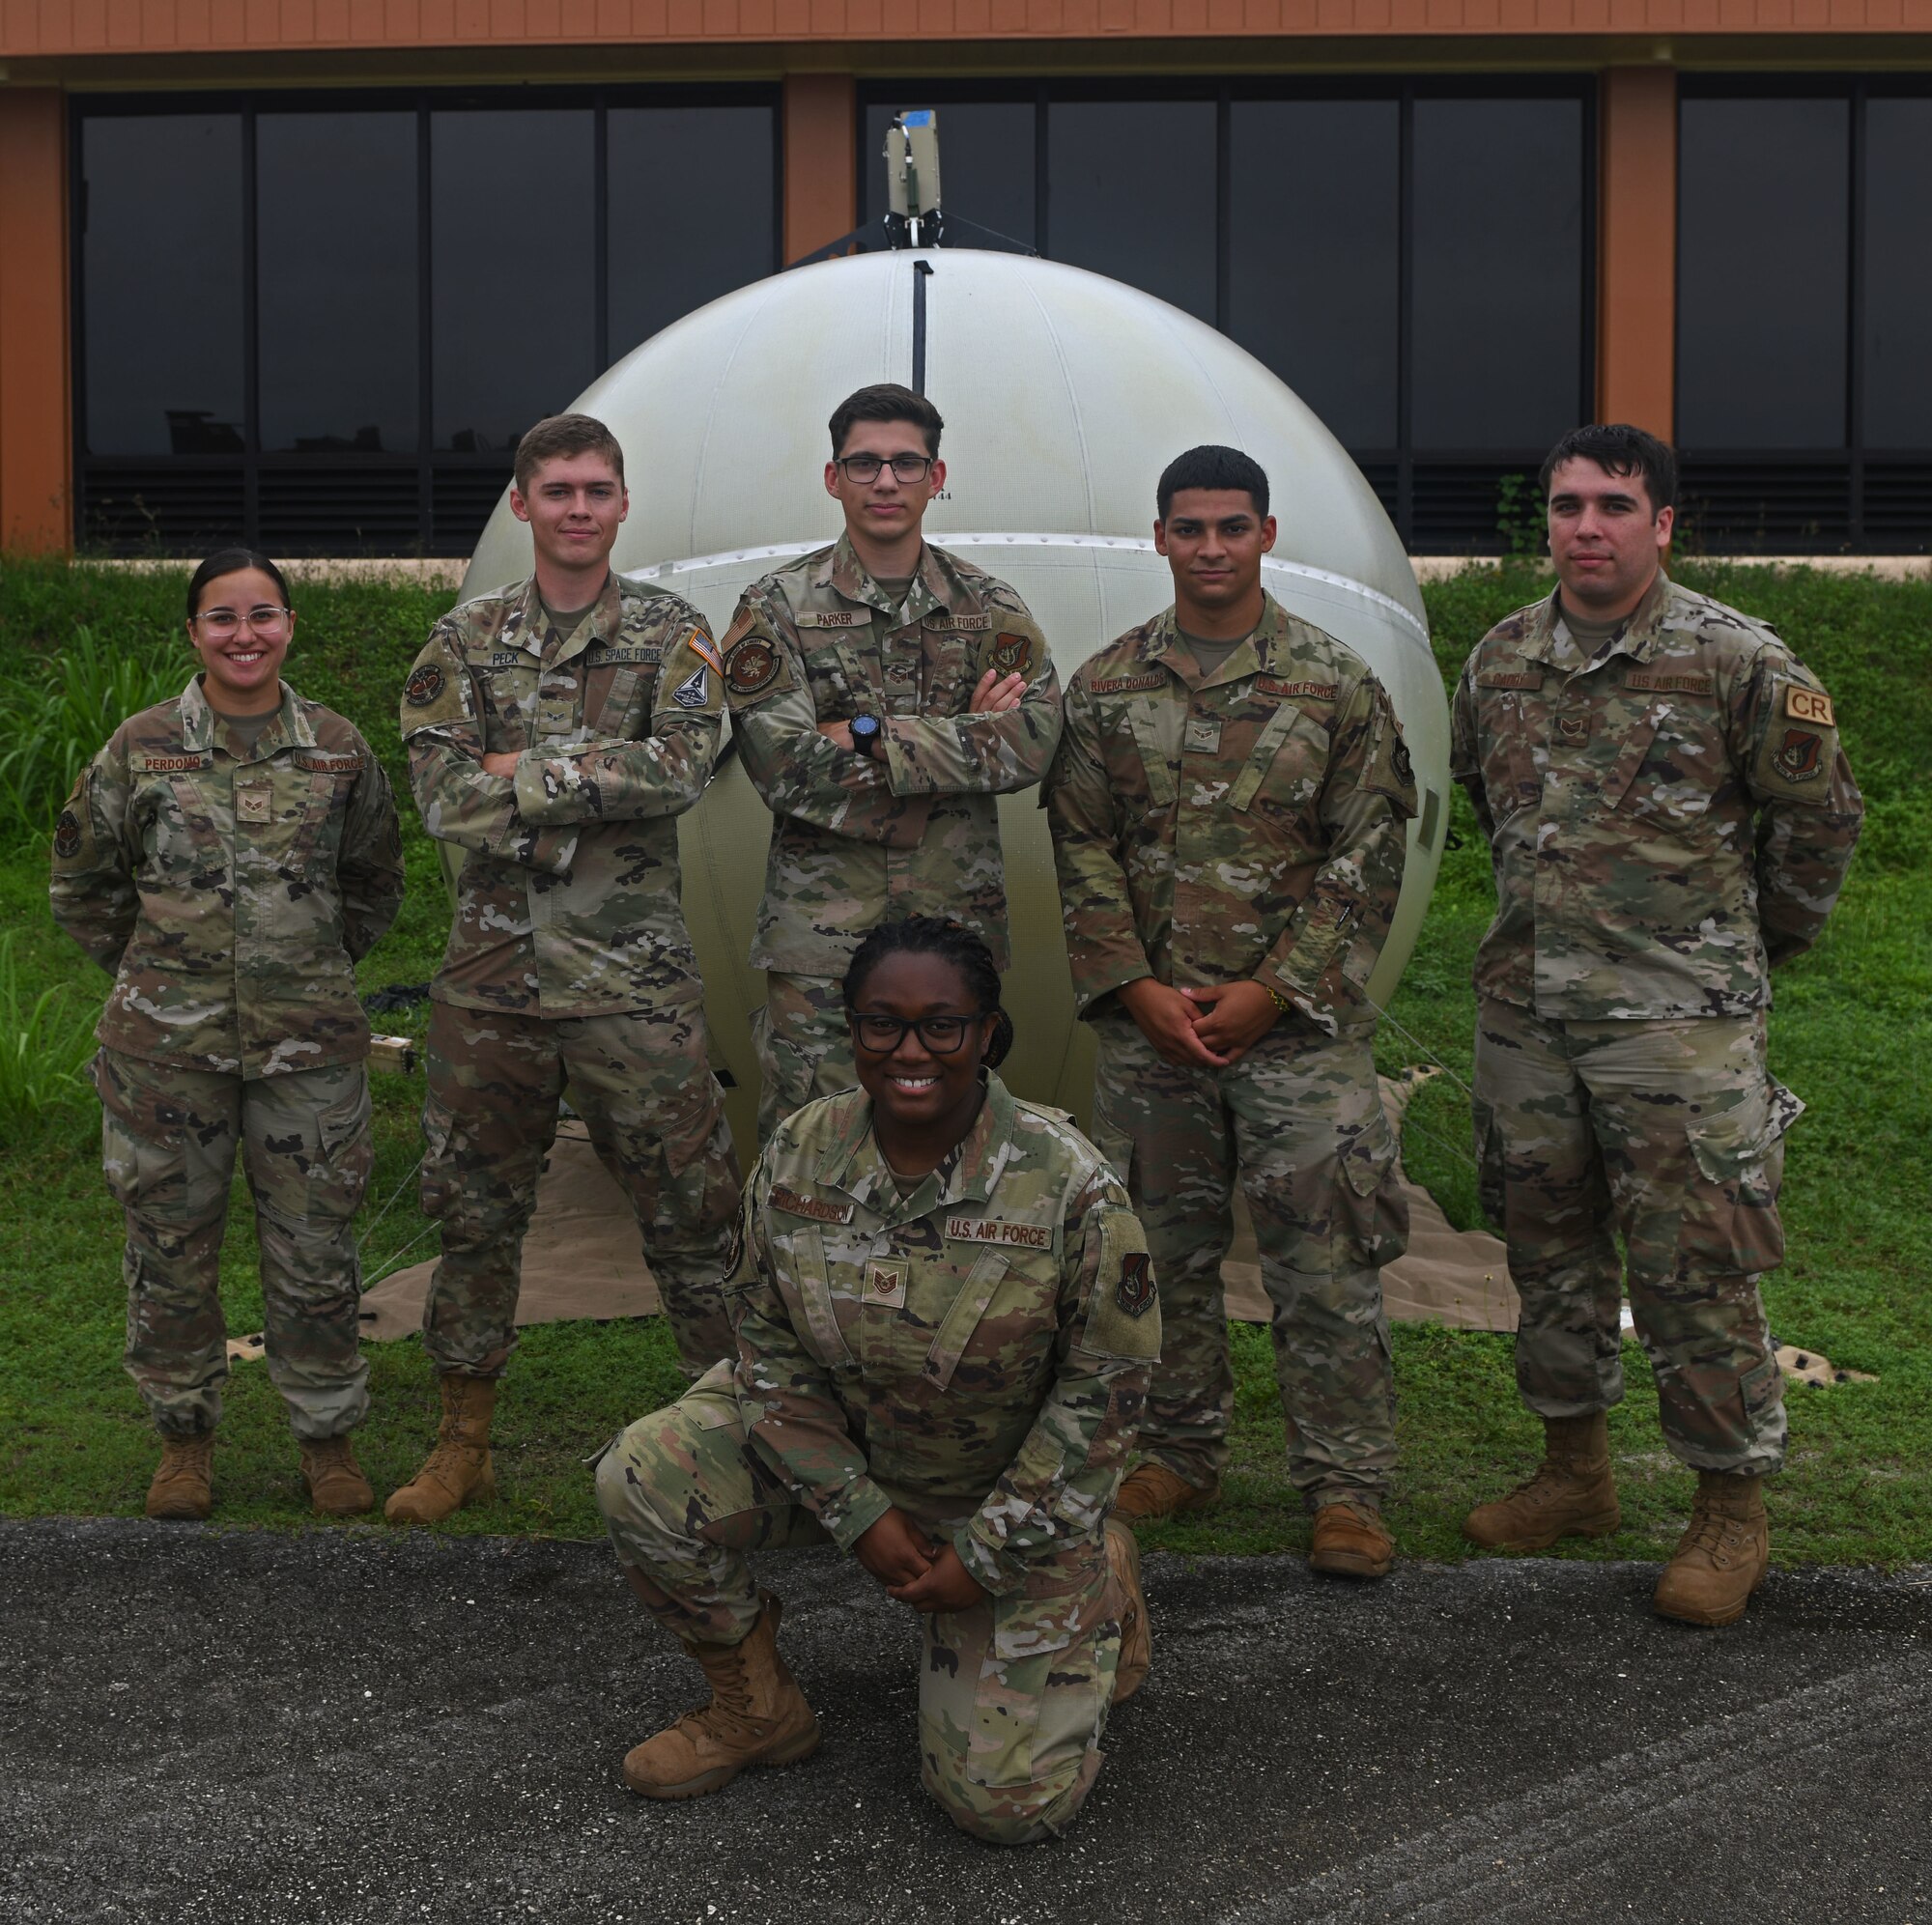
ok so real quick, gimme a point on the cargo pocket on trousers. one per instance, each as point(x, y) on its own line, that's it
point(1730, 1221)
point(145, 1166)
point(339, 1163)
point(1371, 1198)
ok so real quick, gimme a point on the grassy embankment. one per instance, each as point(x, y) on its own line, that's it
point(1849, 1033)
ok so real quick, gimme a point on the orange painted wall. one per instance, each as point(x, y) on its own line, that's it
point(819, 130)
point(1637, 317)
point(35, 443)
point(31, 28)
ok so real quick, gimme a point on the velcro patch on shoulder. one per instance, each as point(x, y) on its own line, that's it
point(1671, 682)
point(1126, 685)
point(1123, 1318)
point(1015, 650)
point(1809, 705)
point(991, 1229)
point(821, 1209)
point(73, 832)
point(755, 668)
point(437, 692)
point(702, 646)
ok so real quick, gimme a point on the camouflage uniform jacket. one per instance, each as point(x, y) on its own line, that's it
point(1665, 822)
point(1245, 823)
point(978, 1349)
point(568, 903)
point(859, 842)
point(231, 891)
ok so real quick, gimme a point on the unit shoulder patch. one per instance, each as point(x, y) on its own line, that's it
point(425, 684)
point(68, 836)
point(695, 690)
point(754, 666)
point(1801, 756)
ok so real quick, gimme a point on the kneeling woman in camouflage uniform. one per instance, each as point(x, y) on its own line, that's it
point(946, 1320)
point(228, 856)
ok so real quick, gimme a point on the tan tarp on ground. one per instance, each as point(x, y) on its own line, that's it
point(581, 1258)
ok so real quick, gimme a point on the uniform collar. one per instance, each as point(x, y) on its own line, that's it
point(201, 726)
point(845, 573)
point(854, 1163)
point(1642, 632)
point(531, 631)
point(1258, 654)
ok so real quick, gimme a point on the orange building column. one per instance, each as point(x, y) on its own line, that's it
point(1636, 269)
point(36, 393)
point(821, 122)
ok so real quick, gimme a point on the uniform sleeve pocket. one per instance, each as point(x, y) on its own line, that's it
point(1739, 1153)
point(1123, 1316)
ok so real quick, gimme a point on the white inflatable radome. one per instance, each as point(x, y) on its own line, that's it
point(1064, 395)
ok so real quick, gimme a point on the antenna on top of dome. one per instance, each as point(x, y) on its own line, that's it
point(912, 174)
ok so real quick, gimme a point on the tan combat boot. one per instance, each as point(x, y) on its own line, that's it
point(336, 1486)
point(181, 1486)
point(1720, 1560)
point(1152, 1490)
point(1572, 1495)
point(1351, 1541)
point(459, 1468)
point(758, 1716)
point(1128, 1602)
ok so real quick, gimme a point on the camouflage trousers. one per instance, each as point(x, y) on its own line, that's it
point(168, 1143)
point(1012, 1694)
point(656, 1116)
point(1300, 1117)
point(804, 1045)
point(1668, 1134)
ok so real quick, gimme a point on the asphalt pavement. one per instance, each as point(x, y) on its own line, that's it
point(372, 1726)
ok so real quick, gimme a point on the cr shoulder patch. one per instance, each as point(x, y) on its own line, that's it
point(424, 684)
point(695, 690)
point(66, 835)
point(1812, 705)
point(1135, 1291)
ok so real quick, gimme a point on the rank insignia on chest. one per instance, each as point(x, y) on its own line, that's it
point(751, 665)
point(1203, 736)
point(1574, 729)
point(818, 1209)
point(886, 1284)
point(423, 687)
point(254, 803)
point(1135, 1291)
point(1800, 757)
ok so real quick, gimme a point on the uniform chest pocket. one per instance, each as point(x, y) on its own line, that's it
point(1509, 719)
point(1667, 769)
point(999, 1330)
point(1281, 781)
point(802, 1259)
point(176, 825)
point(324, 809)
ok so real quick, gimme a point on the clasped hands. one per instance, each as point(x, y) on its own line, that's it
point(1191, 1028)
point(915, 1569)
point(994, 695)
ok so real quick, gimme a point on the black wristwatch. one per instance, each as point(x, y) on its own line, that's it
point(865, 734)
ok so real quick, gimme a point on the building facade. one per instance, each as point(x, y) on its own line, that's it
point(303, 269)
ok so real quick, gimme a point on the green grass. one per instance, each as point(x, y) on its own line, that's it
point(1852, 1026)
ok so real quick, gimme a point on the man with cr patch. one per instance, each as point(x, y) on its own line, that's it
point(556, 731)
point(883, 695)
point(1230, 810)
point(1670, 817)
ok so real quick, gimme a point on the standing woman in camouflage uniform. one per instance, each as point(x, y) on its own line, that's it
point(946, 1320)
point(230, 856)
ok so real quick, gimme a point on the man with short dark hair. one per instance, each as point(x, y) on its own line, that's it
point(883, 695)
point(1670, 817)
point(557, 729)
point(1228, 811)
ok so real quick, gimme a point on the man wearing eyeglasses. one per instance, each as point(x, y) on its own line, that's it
point(884, 693)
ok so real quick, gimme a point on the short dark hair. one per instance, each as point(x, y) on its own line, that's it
point(885, 400)
point(1619, 450)
point(952, 941)
point(559, 434)
point(1216, 468)
point(230, 561)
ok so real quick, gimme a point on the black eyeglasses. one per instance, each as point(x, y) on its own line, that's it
point(882, 1035)
point(865, 468)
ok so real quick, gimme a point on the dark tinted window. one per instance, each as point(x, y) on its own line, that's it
point(987, 170)
point(1314, 235)
point(161, 265)
point(336, 215)
point(1761, 274)
point(1498, 266)
point(513, 280)
point(1898, 274)
point(692, 216)
point(1131, 194)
